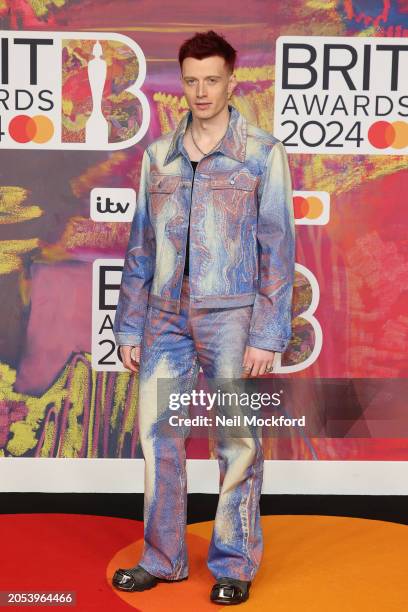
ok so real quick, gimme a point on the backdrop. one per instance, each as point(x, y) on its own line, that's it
point(85, 86)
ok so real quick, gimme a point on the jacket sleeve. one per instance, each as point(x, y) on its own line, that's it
point(138, 269)
point(270, 326)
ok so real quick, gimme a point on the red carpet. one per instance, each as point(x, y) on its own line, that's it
point(311, 563)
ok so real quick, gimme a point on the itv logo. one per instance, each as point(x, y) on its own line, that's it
point(112, 204)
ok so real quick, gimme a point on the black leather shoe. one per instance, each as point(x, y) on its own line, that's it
point(136, 579)
point(230, 591)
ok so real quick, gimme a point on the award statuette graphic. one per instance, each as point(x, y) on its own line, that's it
point(97, 128)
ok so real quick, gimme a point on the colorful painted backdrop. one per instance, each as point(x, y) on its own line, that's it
point(52, 403)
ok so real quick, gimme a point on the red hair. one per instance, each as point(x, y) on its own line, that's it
point(206, 44)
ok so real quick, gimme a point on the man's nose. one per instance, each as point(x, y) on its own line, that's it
point(201, 90)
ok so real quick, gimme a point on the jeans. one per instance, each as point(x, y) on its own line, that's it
point(173, 348)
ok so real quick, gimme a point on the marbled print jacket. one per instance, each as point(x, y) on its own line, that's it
point(242, 237)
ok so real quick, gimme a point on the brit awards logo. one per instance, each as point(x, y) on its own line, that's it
point(71, 90)
point(342, 94)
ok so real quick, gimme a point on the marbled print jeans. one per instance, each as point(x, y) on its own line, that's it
point(174, 346)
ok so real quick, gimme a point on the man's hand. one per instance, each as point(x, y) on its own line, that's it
point(256, 361)
point(130, 357)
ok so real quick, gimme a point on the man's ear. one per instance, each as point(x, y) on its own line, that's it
point(232, 84)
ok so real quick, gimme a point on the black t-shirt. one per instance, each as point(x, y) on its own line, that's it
point(186, 267)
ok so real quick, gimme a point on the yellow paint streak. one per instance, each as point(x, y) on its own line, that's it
point(255, 74)
point(178, 27)
point(321, 5)
point(80, 232)
point(321, 174)
point(170, 110)
point(24, 285)
point(10, 251)
point(53, 253)
point(91, 414)
point(12, 207)
point(256, 107)
point(243, 73)
point(9, 263)
point(369, 31)
point(48, 438)
point(67, 106)
point(7, 377)
point(78, 124)
point(25, 433)
point(71, 444)
point(94, 174)
point(41, 7)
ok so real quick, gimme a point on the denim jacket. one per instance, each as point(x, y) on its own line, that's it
point(242, 236)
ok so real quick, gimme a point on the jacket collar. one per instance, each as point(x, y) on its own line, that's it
point(233, 144)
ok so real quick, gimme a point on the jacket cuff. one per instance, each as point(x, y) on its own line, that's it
point(125, 339)
point(278, 345)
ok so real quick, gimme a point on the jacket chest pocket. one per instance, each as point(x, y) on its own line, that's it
point(234, 194)
point(162, 189)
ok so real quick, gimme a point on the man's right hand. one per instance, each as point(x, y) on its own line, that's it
point(130, 361)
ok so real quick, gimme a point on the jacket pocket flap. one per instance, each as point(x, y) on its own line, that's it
point(163, 183)
point(242, 180)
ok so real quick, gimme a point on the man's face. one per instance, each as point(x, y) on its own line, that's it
point(207, 85)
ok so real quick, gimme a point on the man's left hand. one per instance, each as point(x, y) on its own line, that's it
point(256, 362)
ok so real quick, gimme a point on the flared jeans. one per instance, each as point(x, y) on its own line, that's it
point(173, 348)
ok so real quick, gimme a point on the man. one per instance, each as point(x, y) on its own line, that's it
point(207, 281)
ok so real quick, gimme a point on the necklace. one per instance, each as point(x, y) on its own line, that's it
point(216, 144)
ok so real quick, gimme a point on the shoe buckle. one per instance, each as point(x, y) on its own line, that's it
point(226, 592)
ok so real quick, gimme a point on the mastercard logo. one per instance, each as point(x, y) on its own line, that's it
point(311, 207)
point(23, 128)
point(307, 208)
point(383, 134)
